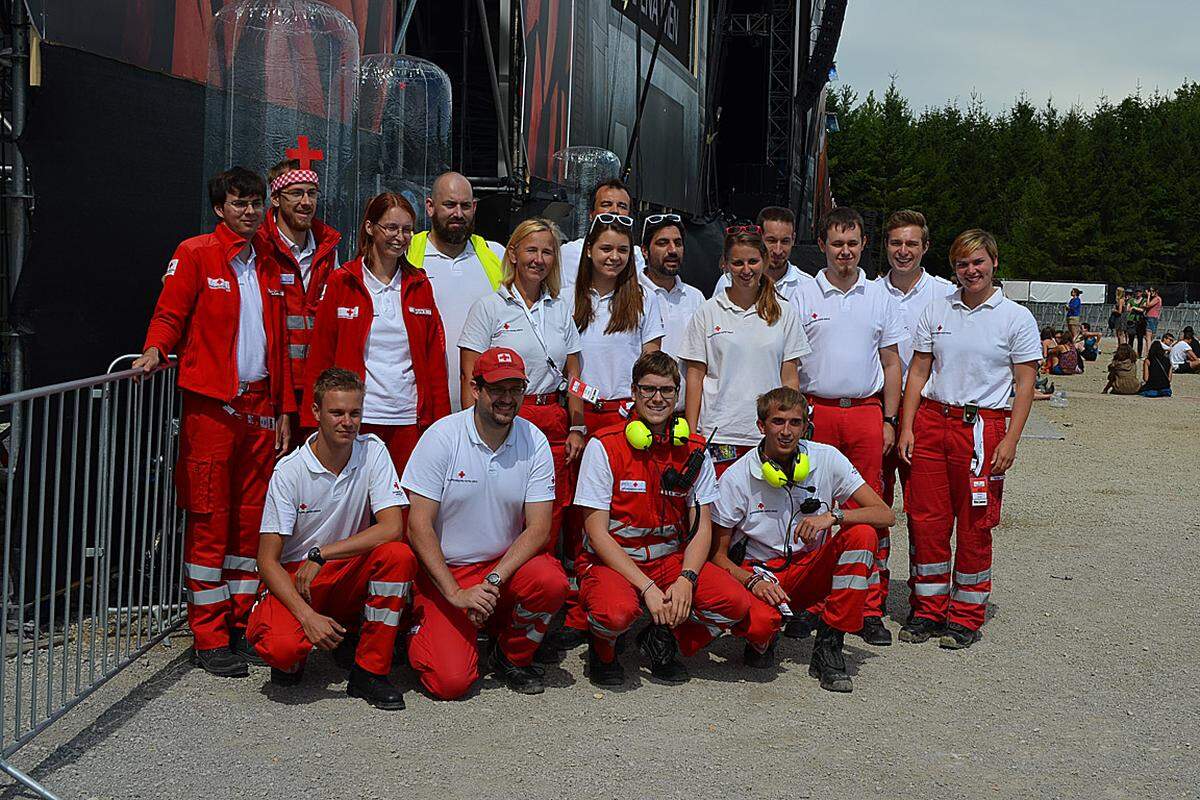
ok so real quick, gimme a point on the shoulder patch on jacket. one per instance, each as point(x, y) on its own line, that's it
point(172, 265)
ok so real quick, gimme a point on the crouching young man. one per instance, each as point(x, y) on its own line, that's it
point(783, 501)
point(482, 488)
point(645, 489)
point(326, 567)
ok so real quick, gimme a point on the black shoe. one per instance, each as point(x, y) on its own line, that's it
point(874, 633)
point(343, 654)
point(525, 680)
point(281, 678)
point(548, 653)
point(801, 626)
point(567, 638)
point(244, 650)
point(658, 645)
point(957, 637)
point(604, 673)
point(921, 629)
point(375, 689)
point(220, 661)
point(763, 660)
point(828, 664)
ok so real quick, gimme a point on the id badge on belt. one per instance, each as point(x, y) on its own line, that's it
point(970, 413)
point(589, 394)
point(720, 453)
point(979, 492)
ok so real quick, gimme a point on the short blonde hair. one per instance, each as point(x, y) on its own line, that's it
point(905, 218)
point(971, 240)
point(553, 280)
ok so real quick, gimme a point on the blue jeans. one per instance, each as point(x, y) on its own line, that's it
point(1152, 324)
point(1156, 392)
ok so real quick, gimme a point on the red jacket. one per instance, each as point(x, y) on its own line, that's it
point(340, 337)
point(301, 302)
point(198, 311)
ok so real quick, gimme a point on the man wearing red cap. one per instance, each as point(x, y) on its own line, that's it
point(300, 246)
point(481, 483)
point(222, 307)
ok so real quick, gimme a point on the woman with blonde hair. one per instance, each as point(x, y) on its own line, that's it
point(741, 343)
point(528, 315)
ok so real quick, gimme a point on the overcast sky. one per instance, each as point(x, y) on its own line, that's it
point(1069, 50)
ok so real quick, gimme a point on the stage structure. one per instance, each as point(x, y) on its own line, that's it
point(578, 170)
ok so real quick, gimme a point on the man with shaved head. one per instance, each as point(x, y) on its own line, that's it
point(461, 266)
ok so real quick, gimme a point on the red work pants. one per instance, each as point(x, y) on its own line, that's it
point(857, 432)
point(442, 648)
point(551, 419)
point(612, 604)
point(937, 497)
point(226, 455)
point(399, 439)
point(834, 576)
point(372, 588)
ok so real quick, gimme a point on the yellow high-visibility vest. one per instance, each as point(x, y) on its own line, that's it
point(490, 261)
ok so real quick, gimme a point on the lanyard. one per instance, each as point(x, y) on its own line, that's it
point(537, 332)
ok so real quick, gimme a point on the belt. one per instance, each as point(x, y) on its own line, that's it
point(548, 399)
point(609, 405)
point(253, 387)
point(253, 420)
point(957, 411)
point(845, 402)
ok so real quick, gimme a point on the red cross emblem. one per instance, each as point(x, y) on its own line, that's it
point(814, 315)
point(462, 474)
point(939, 327)
point(716, 329)
point(506, 326)
point(761, 506)
point(302, 153)
point(303, 506)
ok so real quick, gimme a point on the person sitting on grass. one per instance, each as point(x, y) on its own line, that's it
point(1122, 372)
point(1156, 372)
point(1066, 357)
point(1182, 353)
point(1089, 343)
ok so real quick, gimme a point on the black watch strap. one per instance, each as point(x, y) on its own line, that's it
point(690, 575)
point(893, 420)
point(314, 555)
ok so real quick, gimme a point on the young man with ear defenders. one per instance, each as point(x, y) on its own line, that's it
point(778, 502)
point(645, 488)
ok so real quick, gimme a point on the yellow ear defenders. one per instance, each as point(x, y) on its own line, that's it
point(640, 438)
point(779, 478)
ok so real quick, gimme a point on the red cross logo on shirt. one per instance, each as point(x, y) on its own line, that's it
point(395, 484)
point(814, 315)
point(462, 474)
point(761, 506)
point(939, 327)
point(716, 329)
point(303, 154)
point(303, 506)
point(506, 326)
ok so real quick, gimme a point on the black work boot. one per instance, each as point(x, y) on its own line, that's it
point(343, 654)
point(921, 629)
point(801, 626)
point(244, 650)
point(828, 664)
point(220, 661)
point(658, 645)
point(281, 678)
point(375, 689)
point(874, 633)
point(567, 638)
point(604, 673)
point(763, 660)
point(957, 637)
point(525, 680)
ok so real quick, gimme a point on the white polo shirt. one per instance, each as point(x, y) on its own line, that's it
point(457, 283)
point(303, 253)
point(311, 507)
point(594, 489)
point(607, 358)
point(846, 331)
point(391, 397)
point(974, 349)
point(678, 305)
point(252, 336)
point(744, 356)
point(482, 493)
point(927, 288)
point(760, 513)
point(569, 254)
point(787, 286)
point(1179, 353)
point(543, 332)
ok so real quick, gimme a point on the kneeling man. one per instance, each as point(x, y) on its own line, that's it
point(645, 489)
point(778, 501)
point(325, 566)
point(482, 487)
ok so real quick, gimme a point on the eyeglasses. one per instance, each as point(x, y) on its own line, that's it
point(654, 219)
point(609, 219)
point(391, 229)
point(296, 195)
point(241, 206)
point(734, 230)
point(646, 391)
point(496, 390)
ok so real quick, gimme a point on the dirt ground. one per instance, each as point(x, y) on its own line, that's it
point(1085, 684)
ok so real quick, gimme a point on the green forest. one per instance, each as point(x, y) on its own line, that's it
point(1110, 194)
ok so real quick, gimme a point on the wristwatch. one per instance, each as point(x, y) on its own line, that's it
point(314, 555)
point(494, 579)
point(691, 575)
point(893, 420)
point(582, 429)
point(839, 516)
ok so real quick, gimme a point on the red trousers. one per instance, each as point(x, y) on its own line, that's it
point(551, 419)
point(938, 496)
point(857, 432)
point(838, 573)
point(400, 441)
point(226, 456)
point(372, 588)
point(442, 648)
point(719, 603)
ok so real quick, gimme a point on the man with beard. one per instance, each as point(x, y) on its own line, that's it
point(481, 483)
point(778, 227)
point(461, 266)
point(302, 247)
point(610, 197)
point(662, 246)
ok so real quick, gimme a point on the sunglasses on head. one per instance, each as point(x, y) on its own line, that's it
point(734, 230)
point(608, 219)
point(654, 219)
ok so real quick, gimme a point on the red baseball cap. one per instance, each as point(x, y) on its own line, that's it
point(498, 364)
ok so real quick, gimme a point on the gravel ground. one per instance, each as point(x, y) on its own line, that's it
point(1085, 684)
